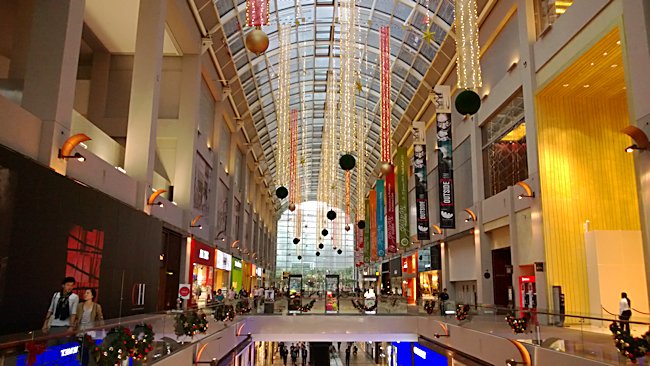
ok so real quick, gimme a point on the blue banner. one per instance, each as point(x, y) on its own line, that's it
point(381, 238)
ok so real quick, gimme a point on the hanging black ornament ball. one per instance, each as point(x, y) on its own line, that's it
point(347, 162)
point(347, 227)
point(296, 240)
point(300, 257)
point(361, 224)
point(331, 215)
point(321, 246)
point(468, 102)
point(339, 251)
point(324, 232)
point(317, 253)
point(282, 192)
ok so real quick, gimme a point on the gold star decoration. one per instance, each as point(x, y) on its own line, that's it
point(428, 35)
point(297, 22)
point(358, 85)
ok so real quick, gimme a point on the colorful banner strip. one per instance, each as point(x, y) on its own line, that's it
point(420, 173)
point(401, 164)
point(381, 228)
point(445, 161)
point(372, 197)
point(391, 237)
point(366, 234)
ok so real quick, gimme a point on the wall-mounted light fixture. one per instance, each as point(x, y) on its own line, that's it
point(235, 244)
point(528, 191)
point(221, 236)
point(195, 222)
point(639, 137)
point(152, 199)
point(512, 362)
point(512, 66)
point(472, 215)
point(65, 152)
point(436, 230)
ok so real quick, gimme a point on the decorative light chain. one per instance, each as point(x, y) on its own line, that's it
point(347, 43)
point(283, 104)
point(467, 47)
point(257, 13)
point(293, 158)
point(384, 58)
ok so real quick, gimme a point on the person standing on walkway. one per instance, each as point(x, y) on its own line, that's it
point(303, 355)
point(63, 307)
point(347, 356)
point(283, 354)
point(625, 312)
point(444, 297)
point(294, 356)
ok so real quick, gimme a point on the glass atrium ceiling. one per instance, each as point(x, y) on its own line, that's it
point(315, 50)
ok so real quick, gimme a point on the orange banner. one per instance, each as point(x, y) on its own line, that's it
point(373, 225)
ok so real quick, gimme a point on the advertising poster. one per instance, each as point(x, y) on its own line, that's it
point(401, 164)
point(373, 224)
point(445, 164)
point(390, 212)
point(381, 229)
point(420, 173)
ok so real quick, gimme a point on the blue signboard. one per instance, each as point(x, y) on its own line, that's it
point(64, 354)
point(418, 355)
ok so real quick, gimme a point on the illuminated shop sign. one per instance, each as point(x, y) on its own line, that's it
point(237, 263)
point(204, 254)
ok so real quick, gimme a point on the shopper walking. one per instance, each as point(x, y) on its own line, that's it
point(347, 356)
point(283, 354)
point(625, 312)
point(62, 313)
point(90, 312)
point(303, 354)
point(444, 297)
point(294, 356)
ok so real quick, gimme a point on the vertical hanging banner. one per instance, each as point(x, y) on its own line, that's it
point(420, 173)
point(445, 161)
point(358, 253)
point(390, 211)
point(401, 164)
point(372, 197)
point(381, 229)
point(366, 234)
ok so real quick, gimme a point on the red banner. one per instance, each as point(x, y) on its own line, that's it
point(373, 224)
point(391, 236)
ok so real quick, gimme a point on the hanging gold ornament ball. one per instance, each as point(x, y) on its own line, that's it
point(292, 207)
point(386, 168)
point(257, 41)
point(347, 227)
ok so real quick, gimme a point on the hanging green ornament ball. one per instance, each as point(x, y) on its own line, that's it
point(324, 232)
point(317, 253)
point(361, 224)
point(331, 215)
point(339, 251)
point(296, 240)
point(468, 102)
point(347, 162)
point(300, 257)
point(321, 246)
point(282, 192)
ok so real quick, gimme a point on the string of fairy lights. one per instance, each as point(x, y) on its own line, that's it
point(282, 110)
point(467, 46)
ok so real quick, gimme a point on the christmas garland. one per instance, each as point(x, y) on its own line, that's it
point(190, 323)
point(363, 308)
point(429, 306)
point(307, 308)
point(117, 346)
point(224, 313)
point(518, 325)
point(144, 337)
point(630, 347)
point(462, 311)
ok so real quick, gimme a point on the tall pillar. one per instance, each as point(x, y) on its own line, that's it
point(526, 69)
point(186, 132)
point(51, 72)
point(99, 77)
point(145, 89)
point(636, 16)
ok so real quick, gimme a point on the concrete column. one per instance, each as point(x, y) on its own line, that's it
point(526, 69)
point(145, 89)
point(99, 75)
point(51, 72)
point(22, 23)
point(514, 243)
point(636, 54)
point(231, 234)
point(186, 132)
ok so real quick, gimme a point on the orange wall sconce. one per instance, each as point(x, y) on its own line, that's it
point(472, 215)
point(436, 230)
point(65, 152)
point(152, 199)
point(195, 222)
point(235, 244)
point(639, 137)
point(528, 191)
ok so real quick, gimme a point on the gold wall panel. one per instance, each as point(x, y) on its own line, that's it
point(585, 175)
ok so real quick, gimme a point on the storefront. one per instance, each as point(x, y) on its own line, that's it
point(246, 275)
point(409, 277)
point(259, 273)
point(385, 277)
point(236, 274)
point(223, 266)
point(428, 277)
point(201, 272)
point(396, 276)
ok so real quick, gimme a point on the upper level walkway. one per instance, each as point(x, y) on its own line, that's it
point(484, 335)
